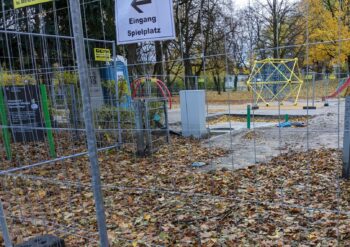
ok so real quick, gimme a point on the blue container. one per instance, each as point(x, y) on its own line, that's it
point(110, 73)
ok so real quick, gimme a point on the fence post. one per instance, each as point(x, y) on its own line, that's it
point(3, 227)
point(313, 88)
point(166, 120)
point(148, 131)
point(248, 117)
point(120, 141)
point(5, 131)
point(346, 143)
point(286, 118)
point(326, 90)
point(90, 131)
point(74, 113)
point(140, 143)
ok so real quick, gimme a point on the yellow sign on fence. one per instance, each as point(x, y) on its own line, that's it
point(332, 77)
point(103, 55)
point(24, 3)
point(308, 77)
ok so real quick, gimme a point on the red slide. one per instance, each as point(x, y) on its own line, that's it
point(161, 85)
point(340, 89)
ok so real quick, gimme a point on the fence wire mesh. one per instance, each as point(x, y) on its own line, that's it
point(259, 176)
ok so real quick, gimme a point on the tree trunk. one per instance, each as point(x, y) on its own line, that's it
point(158, 67)
point(166, 65)
point(188, 74)
point(217, 83)
point(235, 82)
point(275, 28)
point(132, 59)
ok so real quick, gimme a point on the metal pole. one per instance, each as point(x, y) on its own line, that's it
point(326, 91)
point(74, 110)
point(148, 130)
point(3, 227)
point(248, 117)
point(313, 88)
point(90, 131)
point(286, 118)
point(346, 144)
point(140, 145)
point(120, 141)
point(166, 118)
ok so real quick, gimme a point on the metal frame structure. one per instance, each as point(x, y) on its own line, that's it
point(275, 80)
point(136, 84)
point(94, 192)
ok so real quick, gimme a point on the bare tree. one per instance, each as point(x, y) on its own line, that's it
point(275, 24)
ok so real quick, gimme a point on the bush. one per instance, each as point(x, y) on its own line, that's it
point(65, 77)
point(107, 117)
point(15, 79)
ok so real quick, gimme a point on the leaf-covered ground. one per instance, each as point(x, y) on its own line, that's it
point(294, 200)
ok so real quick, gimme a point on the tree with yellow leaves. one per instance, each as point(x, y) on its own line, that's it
point(327, 31)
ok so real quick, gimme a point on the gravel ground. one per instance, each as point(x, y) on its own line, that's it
point(259, 145)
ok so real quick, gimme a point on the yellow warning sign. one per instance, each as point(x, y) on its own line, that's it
point(332, 77)
point(24, 3)
point(308, 77)
point(103, 55)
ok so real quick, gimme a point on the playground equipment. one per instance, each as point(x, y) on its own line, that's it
point(142, 87)
point(151, 115)
point(275, 80)
point(117, 71)
point(343, 85)
point(150, 97)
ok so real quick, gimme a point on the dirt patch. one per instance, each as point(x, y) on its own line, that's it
point(251, 135)
point(257, 118)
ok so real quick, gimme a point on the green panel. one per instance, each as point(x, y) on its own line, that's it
point(48, 126)
point(5, 131)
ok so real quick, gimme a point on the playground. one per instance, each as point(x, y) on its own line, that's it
point(163, 188)
point(158, 198)
point(174, 123)
point(143, 207)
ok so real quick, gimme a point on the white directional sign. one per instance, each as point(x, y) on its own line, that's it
point(144, 20)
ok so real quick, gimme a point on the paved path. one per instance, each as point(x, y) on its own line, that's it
point(246, 148)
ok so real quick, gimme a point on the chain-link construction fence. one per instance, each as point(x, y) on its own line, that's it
point(94, 148)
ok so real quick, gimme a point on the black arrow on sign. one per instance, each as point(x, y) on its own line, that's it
point(135, 4)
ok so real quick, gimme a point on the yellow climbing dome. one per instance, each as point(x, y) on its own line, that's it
point(275, 80)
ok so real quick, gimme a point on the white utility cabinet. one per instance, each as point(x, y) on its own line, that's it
point(193, 114)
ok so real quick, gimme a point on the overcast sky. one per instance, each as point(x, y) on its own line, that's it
point(240, 3)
